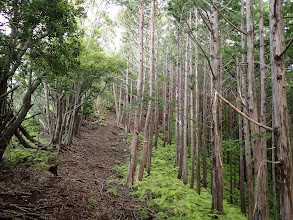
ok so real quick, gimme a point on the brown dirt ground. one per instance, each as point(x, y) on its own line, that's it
point(79, 190)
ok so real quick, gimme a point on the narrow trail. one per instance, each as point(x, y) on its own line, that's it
point(80, 189)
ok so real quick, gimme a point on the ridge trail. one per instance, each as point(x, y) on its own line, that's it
point(79, 190)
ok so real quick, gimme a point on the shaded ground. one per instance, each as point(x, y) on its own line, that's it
point(79, 190)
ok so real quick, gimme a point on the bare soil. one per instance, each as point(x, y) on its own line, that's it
point(79, 190)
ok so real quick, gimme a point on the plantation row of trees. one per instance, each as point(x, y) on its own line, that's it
point(52, 67)
point(215, 79)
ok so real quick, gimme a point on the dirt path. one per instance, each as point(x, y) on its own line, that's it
point(79, 190)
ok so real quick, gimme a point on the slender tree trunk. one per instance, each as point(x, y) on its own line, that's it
point(127, 101)
point(185, 177)
point(282, 133)
point(240, 136)
point(204, 130)
point(164, 112)
point(134, 145)
point(197, 112)
point(180, 119)
point(114, 88)
point(216, 145)
point(47, 113)
point(263, 142)
point(156, 114)
point(229, 116)
point(261, 200)
point(177, 90)
point(148, 121)
point(274, 180)
point(170, 107)
point(248, 167)
point(192, 149)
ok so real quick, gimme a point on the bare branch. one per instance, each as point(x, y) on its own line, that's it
point(205, 54)
point(286, 48)
point(238, 29)
point(203, 18)
point(10, 91)
point(241, 113)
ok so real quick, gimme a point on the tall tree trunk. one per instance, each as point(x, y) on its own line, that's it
point(148, 121)
point(127, 101)
point(216, 144)
point(230, 118)
point(170, 106)
point(156, 114)
point(204, 129)
point(134, 144)
point(197, 111)
point(282, 133)
point(240, 136)
point(48, 113)
point(185, 177)
point(261, 200)
point(248, 167)
point(177, 90)
point(180, 119)
point(263, 142)
point(164, 112)
point(192, 149)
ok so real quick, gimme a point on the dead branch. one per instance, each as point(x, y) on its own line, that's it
point(286, 48)
point(241, 113)
point(238, 29)
point(205, 54)
point(22, 141)
point(10, 91)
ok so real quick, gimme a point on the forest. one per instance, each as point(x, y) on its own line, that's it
point(146, 109)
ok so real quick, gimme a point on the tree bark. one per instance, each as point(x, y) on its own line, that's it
point(216, 142)
point(282, 133)
point(7, 134)
point(185, 177)
point(148, 121)
point(204, 129)
point(197, 111)
point(248, 167)
point(134, 144)
point(261, 201)
point(192, 149)
point(240, 136)
point(263, 142)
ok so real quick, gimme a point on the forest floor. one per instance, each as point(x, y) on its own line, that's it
point(82, 189)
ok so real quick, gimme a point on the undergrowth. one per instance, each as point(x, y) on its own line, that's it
point(169, 197)
point(18, 155)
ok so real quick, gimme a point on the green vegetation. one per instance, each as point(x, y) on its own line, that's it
point(169, 197)
point(91, 203)
point(112, 191)
point(39, 158)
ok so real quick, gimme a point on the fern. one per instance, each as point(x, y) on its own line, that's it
point(169, 197)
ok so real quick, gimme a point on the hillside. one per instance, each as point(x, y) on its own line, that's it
point(85, 187)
